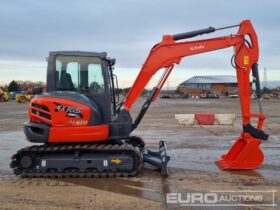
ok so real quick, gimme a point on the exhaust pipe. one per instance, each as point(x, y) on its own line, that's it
point(158, 159)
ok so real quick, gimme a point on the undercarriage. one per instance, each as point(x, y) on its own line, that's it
point(120, 158)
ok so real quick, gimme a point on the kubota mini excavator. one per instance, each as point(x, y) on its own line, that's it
point(85, 131)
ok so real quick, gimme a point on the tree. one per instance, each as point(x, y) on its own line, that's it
point(126, 90)
point(26, 85)
point(118, 91)
point(178, 90)
point(266, 90)
point(13, 86)
point(95, 87)
point(144, 92)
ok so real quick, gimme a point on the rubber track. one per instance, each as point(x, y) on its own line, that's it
point(33, 173)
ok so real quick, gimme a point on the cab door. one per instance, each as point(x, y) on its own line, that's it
point(88, 76)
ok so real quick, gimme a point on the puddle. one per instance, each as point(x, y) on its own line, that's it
point(202, 159)
point(23, 112)
point(149, 184)
point(10, 143)
point(131, 187)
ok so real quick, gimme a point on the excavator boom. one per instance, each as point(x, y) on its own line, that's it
point(169, 52)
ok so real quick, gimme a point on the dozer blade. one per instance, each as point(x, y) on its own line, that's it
point(158, 159)
point(245, 153)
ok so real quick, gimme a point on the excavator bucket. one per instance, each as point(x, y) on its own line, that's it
point(245, 153)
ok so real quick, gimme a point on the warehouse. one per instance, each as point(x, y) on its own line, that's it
point(203, 86)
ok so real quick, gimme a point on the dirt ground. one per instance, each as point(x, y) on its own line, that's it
point(193, 151)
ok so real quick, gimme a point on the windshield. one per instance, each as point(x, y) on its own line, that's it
point(79, 73)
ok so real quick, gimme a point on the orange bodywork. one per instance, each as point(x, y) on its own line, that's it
point(58, 117)
point(79, 134)
point(65, 128)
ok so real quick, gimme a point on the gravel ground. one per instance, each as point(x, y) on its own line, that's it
point(193, 151)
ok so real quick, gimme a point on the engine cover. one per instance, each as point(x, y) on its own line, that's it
point(64, 109)
point(59, 112)
point(64, 117)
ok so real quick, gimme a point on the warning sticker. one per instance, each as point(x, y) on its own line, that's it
point(116, 161)
point(246, 60)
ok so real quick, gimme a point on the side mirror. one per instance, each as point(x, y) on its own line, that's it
point(112, 61)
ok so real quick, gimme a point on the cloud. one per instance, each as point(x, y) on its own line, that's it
point(128, 29)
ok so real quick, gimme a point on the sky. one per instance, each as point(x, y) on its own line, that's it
point(127, 30)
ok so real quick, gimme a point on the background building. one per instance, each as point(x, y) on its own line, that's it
point(202, 85)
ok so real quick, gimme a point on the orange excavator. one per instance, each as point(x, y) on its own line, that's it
point(84, 130)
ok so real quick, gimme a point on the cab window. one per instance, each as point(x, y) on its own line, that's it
point(79, 73)
point(96, 81)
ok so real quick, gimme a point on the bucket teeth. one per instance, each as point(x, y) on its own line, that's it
point(219, 161)
point(224, 164)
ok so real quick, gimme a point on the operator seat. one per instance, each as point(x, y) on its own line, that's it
point(66, 82)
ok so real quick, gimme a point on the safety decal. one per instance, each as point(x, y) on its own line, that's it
point(246, 60)
point(116, 161)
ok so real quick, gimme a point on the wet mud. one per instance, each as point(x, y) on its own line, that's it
point(193, 151)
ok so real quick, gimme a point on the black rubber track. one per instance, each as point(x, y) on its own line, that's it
point(104, 148)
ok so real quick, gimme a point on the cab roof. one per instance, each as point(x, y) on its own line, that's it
point(80, 53)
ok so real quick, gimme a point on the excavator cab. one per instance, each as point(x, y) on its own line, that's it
point(86, 73)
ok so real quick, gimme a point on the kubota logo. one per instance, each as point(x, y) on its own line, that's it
point(199, 47)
